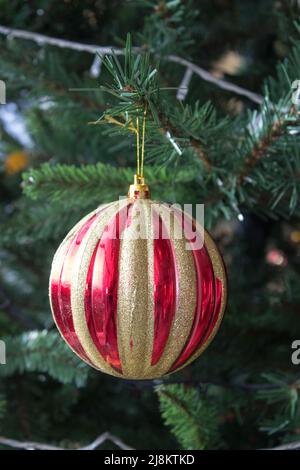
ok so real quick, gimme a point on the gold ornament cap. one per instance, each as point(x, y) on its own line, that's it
point(139, 190)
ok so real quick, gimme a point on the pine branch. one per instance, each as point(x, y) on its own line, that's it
point(91, 182)
point(31, 224)
point(239, 160)
point(249, 146)
point(41, 39)
point(43, 352)
point(282, 402)
point(265, 175)
point(169, 26)
point(196, 127)
point(268, 139)
point(193, 421)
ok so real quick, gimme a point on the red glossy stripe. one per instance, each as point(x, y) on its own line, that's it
point(218, 304)
point(205, 302)
point(55, 290)
point(102, 290)
point(215, 316)
point(165, 290)
point(61, 291)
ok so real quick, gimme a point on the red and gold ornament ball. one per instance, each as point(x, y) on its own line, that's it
point(137, 307)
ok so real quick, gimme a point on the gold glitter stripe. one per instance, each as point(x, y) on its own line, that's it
point(219, 272)
point(82, 263)
point(135, 294)
point(186, 302)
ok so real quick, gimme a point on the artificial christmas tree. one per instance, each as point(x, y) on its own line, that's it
point(221, 133)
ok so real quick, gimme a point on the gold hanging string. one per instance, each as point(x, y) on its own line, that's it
point(112, 120)
point(139, 189)
point(140, 139)
point(143, 140)
point(137, 146)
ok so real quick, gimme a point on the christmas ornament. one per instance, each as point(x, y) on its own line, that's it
point(131, 292)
